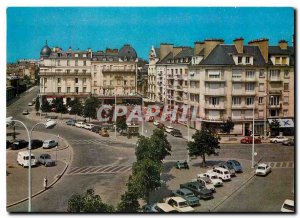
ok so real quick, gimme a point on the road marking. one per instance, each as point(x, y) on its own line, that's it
point(106, 169)
point(283, 164)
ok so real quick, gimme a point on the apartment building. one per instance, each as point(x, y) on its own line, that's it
point(230, 82)
point(76, 73)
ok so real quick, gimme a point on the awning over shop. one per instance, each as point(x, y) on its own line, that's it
point(284, 123)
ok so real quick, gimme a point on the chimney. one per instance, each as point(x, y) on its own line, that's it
point(198, 47)
point(263, 45)
point(210, 44)
point(165, 49)
point(283, 44)
point(239, 45)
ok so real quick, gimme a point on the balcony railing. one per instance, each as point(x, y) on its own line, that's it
point(64, 73)
point(216, 107)
point(275, 79)
point(118, 70)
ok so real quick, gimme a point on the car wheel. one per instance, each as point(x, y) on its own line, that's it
point(275, 141)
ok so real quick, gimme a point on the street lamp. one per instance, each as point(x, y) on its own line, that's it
point(48, 125)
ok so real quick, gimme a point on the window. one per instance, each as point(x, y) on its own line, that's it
point(104, 82)
point(95, 83)
point(45, 80)
point(274, 100)
point(84, 80)
point(180, 71)
point(76, 80)
point(132, 82)
point(274, 74)
point(84, 89)
point(236, 114)
point(260, 100)
point(236, 100)
point(84, 55)
point(58, 89)
point(68, 89)
point(236, 74)
point(261, 87)
point(111, 82)
point(250, 74)
point(283, 60)
point(277, 60)
point(249, 87)
point(236, 87)
point(76, 89)
point(240, 59)
point(84, 63)
point(262, 73)
point(68, 71)
point(286, 99)
point(58, 62)
point(76, 71)
point(285, 113)
point(286, 74)
point(249, 101)
point(285, 87)
point(58, 80)
point(76, 55)
point(118, 82)
point(125, 82)
point(247, 60)
point(214, 101)
point(68, 63)
point(214, 74)
point(76, 63)
point(83, 71)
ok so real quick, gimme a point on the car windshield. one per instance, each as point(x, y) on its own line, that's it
point(27, 158)
point(47, 156)
point(236, 163)
point(183, 204)
point(226, 172)
point(213, 177)
point(261, 168)
point(288, 207)
point(189, 195)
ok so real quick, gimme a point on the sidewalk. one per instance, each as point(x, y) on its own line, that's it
point(17, 176)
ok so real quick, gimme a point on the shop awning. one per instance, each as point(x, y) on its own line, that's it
point(284, 123)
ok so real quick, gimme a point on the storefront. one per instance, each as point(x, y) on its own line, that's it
point(286, 127)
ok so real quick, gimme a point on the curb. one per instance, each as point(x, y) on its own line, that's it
point(50, 185)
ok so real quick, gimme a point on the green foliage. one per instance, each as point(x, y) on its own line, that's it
point(205, 143)
point(37, 104)
point(58, 103)
point(76, 107)
point(45, 105)
point(227, 126)
point(275, 126)
point(121, 123)
point(129, 203)
point(88, 203)
point(26, 80)
point(90, 107)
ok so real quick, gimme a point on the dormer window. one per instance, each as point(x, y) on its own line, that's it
point(247, 60)
point(76, 55)
point(240, 59)
point(84, 55)
point(277, 60)
point(283, 60)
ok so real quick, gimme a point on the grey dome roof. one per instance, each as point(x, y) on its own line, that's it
point(46, 51)
point(128, 52)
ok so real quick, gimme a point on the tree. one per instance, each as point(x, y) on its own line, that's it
point(205, 143)
point(227, 126)
point(90, 107)
point(275, 125)
point(121, 123)
point(145, 177)
point(45, 105)
point(129, 203)
point(76, 107)
point(88, 203)
point(37, 104)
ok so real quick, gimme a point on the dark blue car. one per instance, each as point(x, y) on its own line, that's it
point(235, 165)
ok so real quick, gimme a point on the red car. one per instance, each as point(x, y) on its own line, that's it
point(160, 125)
point(248, 140)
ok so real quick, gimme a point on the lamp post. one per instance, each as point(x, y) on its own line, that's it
point(48, 124)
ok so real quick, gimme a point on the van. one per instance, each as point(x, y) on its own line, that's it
point(222, 173)
point(23, 159)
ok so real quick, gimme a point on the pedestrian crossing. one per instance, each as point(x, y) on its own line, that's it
point(89, 141)
point(105, 169)
point(288, 164)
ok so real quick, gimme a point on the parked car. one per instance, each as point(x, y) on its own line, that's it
point(79, 124)
point(30, 104)
point(188, 195)
point(25, 112)
point(8, 143)
point(36, 143)
point(169, 129)
point(160, 126)
point(182, 165)
point(278, 139)
point(200, 191)
point(96, 129)
point(50, 143)
point(23, 159)
point(155, 123)
point(160, 208)
point(71, 122)
point(88, 126)
point(179, 204)
point(213, 177)
point(207, 183)
point(262, 169)
point(45, 159)
point(290, 142)
point(18, 144)
point(235, 165)
point(227, 167)
point(176, 133)
point(222, 173)
point(288, 206)
point(248, 140)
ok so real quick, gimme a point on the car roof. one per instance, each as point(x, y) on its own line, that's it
point(204, 179)
point(178, 199)
point(48, 140)
point(25, 153)
point(169, 127)
point(185, 190)
point(166, 207)
point(262, 165)
point(289, 202)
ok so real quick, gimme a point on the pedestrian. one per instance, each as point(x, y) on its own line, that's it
point(186, 166)
point(45, 183)
point(84, 121)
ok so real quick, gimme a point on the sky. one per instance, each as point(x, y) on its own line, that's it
point(141, 27)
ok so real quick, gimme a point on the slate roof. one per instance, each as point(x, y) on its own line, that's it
point(186, 52)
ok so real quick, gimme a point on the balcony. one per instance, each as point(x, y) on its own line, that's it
point(275, 79)
point(243, 93)
point(275, 106)
point(179, 99)
point(217, 119)
point(108, 87)
point(194, 90)
point(170, 87)
point(219, 80)
point(244, 79)
point(178, 87)
point(275, 92)
point(219, 92)
point(117, 70)
point(243, 107)
point(66, 94)
point(64, 74)
point(215, 107)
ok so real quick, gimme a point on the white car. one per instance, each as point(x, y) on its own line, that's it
point(50, 143)
point(88, 126)
point(169, 129)
point(288, 206)
point(179, 204)
point(207, 183)
point(30, 104)
point(262, 169)
point(155, 123)
point(79, 124)
point(279, 139)
point(213, 177)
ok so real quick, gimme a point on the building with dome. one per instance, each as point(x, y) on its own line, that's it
point(81, 73)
